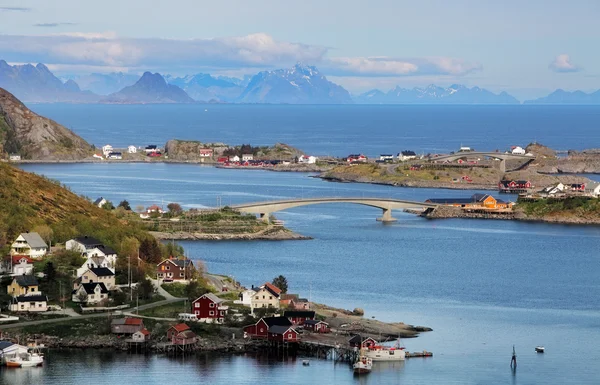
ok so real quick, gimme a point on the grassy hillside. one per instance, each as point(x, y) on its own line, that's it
point(29, 200)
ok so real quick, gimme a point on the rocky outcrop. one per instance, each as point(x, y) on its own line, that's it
point(34, 137)
point(271, 235)
point(189, 150)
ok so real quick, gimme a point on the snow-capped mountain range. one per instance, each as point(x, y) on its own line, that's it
point(432, 94)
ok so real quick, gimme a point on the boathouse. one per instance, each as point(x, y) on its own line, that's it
point(127, 325)
point(209, 308)
point(181, 335)
point(358, 340)
point(280, 333)
point(261, 328)
point(316, 326)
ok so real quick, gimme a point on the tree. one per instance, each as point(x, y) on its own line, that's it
point(45, 232)
point(118, 297)
point(193, 290)
point(49, 272)
point(145, 288)
point(281, 283)
point(150, 250)
point(174, 209)
point(140, 208)
point(125, 205)
point(108, 206)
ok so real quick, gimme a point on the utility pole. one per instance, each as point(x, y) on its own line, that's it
point(129, 277)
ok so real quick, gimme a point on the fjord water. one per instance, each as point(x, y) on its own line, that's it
point(483, 286)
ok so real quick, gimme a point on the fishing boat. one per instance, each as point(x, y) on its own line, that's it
point(306, 362)
point(363, 364)
point(25, 360)
point(387, 353)
point(539, 349)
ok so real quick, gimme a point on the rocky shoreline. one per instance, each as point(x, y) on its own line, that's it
point(273, 235)
point(416, 183)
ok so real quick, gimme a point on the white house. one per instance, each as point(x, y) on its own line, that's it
point(234, 158)
point(100, 202)
point(14, 157)
point(245, 297)
point(115, 155)
point(30, 244)
point(96, 261)
point(246, 157)
point(82, 244)
point(131, 149)
point(518, 151)
point(90, 293)
point(19, 265)
point(107, 149)
point(141, 335)
point(407, 155)
point(36, 302)
point(465, 149)
point(593, 189)
point(307, 159)
point(386, 157)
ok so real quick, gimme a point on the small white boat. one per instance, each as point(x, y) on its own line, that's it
point(26, 360)
point(539, 349)
point(363, 365)
point(305, 362)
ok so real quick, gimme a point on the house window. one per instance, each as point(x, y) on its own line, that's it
point(211, 313)
point(254, 297)
point(197, 304)
point(212, 304)
point(22, 306)
point(181, 274)
point(222, 312)
point(263, 297)
point(262, 330)
point(168, 267)
point(290, 335)
point(270, 297)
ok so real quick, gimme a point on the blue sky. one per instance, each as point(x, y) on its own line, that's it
point(527, 47)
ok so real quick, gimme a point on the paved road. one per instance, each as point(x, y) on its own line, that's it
point(86, 316)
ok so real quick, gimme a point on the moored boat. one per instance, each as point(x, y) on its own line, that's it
point(363, 364)
point(25, 360)
point(387, 353)
point(539, 349)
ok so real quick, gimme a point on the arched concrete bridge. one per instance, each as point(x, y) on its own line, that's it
point(499, 155)
point(264, 209)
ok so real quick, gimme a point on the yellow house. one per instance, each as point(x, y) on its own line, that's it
point(22, 285)
point(267, 296)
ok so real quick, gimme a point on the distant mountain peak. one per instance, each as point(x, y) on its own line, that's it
point(560, 96)
point(150, 88)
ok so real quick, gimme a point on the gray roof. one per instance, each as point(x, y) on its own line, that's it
point(26, 280)
point(278, 329)
point(101, 271)
point(213, 298)
point(34, 240)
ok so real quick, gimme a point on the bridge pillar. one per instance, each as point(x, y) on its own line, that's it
point(264, 217)
point(503, 165)
point(387, 216)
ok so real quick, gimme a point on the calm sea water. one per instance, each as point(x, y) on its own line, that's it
point(335, 130)
point(483, 286)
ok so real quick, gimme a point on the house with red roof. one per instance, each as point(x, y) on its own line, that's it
point(141, 336)
point(17, 265)
point(182, 335)
point(267, 296)
point(279, 333)
point(261, 328)
point(127, 325)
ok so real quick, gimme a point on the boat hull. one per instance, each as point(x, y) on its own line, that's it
point(386, 355)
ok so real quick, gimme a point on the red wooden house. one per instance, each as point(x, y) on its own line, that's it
point(578, 187)
point(298, 317)
point(209, 308)
point(280, 333)
point(175, 269)
point(261, 328)
point(316, 326)
point(358, 340)
point(181, 334)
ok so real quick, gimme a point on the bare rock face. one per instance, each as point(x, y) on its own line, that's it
point(541, 151)
point(34, 137)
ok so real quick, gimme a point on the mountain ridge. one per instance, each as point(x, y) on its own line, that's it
point(432, 94)
point(150, 88)
point(561, 96)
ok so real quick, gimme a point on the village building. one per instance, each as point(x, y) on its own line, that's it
point(267, 296)
point(29, 303)
point(175, 269)
point(209, 308)
point(245, 297)
point(297, 317)
point(97, 275)
point(286, 334)
point(307, 159)
point(316, 326)
point(406, 155)
point(247, 157)
point(181, 335)
point(82, 244)
point(593, 189)
point(514, 186)
point(90, 293)
point(17, 265)
point(476, 201)
point(95, 262)
point(23, 285)
point(131, 149)
point(141, 336)
point(30, 244)
point(107, 149)
point(127, 325)
point(115, 155)
point(205, 152)
point(100, 202)
point(516, 150)
point(356, 158)
point(386, 158)
point(234, 158)
point(260, 329)
point(358, 341)
point(151, 148)
point(14, 157)
point(554, 189)
point(577, 187)
point(154, 209)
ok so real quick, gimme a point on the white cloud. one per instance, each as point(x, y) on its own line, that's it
point(562, 63)
point(253, 52)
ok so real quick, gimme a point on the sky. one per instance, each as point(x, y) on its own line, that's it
point(527, 48)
